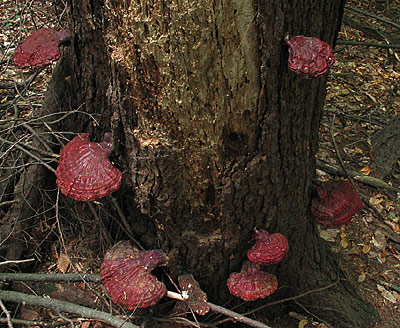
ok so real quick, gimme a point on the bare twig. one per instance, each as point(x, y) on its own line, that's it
point(9, 202)
point(334, 144)
point(373, 16)
point(9, 323)
point(33, 131)
point(365, 179)
point(367, 44)
point(125, 225)
point(49, 277)
point(16, 261)
point(312, 314)
point(16, 145)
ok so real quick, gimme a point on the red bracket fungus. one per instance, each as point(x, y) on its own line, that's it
point(125, 274)
point(269, 248)
point(41, 48)
point(252, 283)
point(335, 204)
point(309, 56)
point(85, 172)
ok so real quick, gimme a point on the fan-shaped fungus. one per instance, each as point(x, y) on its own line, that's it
point(269, 248)
point(125, 274)
point(195, 298)
point(309, 56)
point(252, 283)
point(85, 172)
point(41, 48)
point(335, 204)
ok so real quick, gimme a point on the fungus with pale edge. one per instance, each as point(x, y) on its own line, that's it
point(195, 298)
point(41, 48)
point(309, 56)
point(125, 274)
point(269, 248)
point(335, 204)
point(252, 283)
point(85, 172)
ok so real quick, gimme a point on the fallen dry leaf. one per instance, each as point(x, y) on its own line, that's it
point(386, 294)
point(366, 249)
point(362, 277)
point(366, 170)
point(328, 234)
point(63, 262)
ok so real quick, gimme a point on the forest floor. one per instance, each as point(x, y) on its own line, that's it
point(363, 97)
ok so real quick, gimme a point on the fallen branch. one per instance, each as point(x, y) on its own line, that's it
point(69, 277)
point(368, 44)
point(96, 278)
point(373, 16)
point(62, 306)
point(365, 179)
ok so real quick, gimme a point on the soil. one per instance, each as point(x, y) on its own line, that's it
point(363, 97)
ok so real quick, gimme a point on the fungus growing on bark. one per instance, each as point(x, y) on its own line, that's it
point(252, 283)
point(194, 297)
point(309, 56)
point(269, 248)
point(41, 48)
point(85, 172)
point(125, 274)
point(335, 203)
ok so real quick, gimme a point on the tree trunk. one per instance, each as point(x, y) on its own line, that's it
point(215, 136)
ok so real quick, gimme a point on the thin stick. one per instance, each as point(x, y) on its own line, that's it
point(49, 277)
point(373, 16)
point(62, 306)
point(335, 146)
point(40, 139)
point(16, 261)
point(29, 153)
point(9, 323)
point(368, 44)
point(365, 179)
point(9, 202)
point(125, 225)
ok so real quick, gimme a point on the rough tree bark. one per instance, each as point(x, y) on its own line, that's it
point(214, 135)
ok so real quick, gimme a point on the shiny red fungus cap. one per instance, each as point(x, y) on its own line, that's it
point(269, 249)
point(125, 274)
point(252, 283)
point(85, 172)
point(335, 204)
point(41, 48)
point(309, 56)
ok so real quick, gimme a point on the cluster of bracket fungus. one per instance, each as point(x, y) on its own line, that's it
point(125, 274)
point(252, 283)
point(309, 56)
point(41, 48)
point(335, 204)
point(269, 248)
point(85, 172)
